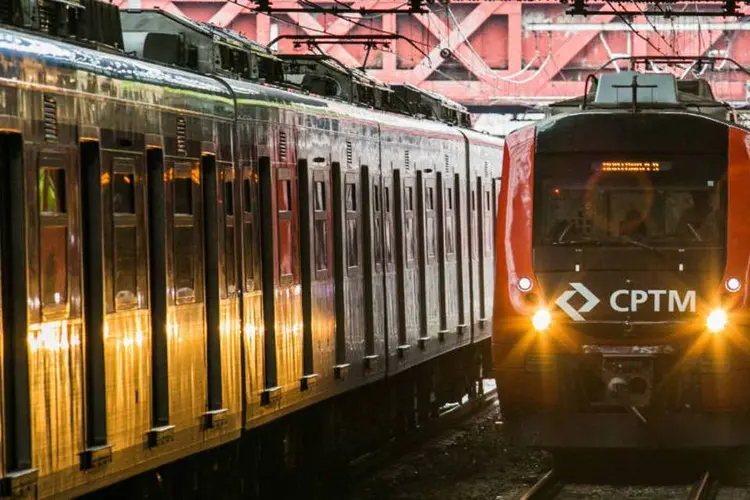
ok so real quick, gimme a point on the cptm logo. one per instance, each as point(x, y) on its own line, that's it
point(628, 301)
point(591, 301)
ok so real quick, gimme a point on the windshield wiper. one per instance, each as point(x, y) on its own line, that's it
point(579, 241)
point(627, 239)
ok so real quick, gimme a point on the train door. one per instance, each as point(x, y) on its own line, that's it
point(474, 252)
point(372, 245)
point(316, 241)
point(484, 190)
point(280, 275)
point(252, 303)
point(463, 266)
point(390, 274)
point(114, 241)
point(407, 264)
point(221, 299)
point(347, 236)
point(445, 253)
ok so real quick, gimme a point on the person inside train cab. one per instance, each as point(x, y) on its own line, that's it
point(699, 222)
point(633, 224)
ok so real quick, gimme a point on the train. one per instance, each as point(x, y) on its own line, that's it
point(210, 250)
point(620, 315)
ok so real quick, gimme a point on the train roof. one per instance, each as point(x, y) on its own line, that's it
point(653, 90)
point(213, 94)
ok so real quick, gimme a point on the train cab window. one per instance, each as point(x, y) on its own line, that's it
point(248, 233)
point(352, 228)
point(53, 244)
point(320, 217)
point(184, 237)
point(230, 279)
point(285, 227)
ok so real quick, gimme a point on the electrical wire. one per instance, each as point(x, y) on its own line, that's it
point(624, 19)
point(654, 27)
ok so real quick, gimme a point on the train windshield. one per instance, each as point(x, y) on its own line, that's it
point(650, 203)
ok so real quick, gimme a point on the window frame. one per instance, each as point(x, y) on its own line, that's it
point(321, 175)
point(284, 174)
point(250, 258)
point(182, 170)
point(352, 215)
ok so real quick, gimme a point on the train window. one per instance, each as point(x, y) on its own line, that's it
point(126, 255)
point(320, 227)
point(487, 200)
point(248, 234)
point(284, 196)
point(387, 240)
point(228, 197)
point(183, 260)
point(449, 235)
point(229, 233)
point(54, 260)
point(431, 245)
point(351, 197)
point(429, 199)
point(247, 200)
point(473, 201)
point(320, 196)
point(286, 264)
point(53, 244)
point(123, 194)
point(183, 196)
point(409, 229)
point(352, 226)
point(376, 197)
point(285, 227)
point(126, 260)
point(52, 190)
point(449, 198)
point(184, 247)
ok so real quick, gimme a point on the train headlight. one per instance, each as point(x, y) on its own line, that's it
point(716, 320)
point(733, 284)
point(541, 320)
point(525, 284)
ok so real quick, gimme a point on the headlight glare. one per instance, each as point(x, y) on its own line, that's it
point(541, 320)
point(716, 320)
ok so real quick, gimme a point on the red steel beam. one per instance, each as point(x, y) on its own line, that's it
point(575, 51)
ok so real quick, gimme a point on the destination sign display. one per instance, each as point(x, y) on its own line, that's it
point(630, 166)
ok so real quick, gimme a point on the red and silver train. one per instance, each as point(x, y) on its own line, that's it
point(623, 259)
point(199, 237)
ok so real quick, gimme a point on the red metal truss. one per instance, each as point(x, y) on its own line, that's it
point(493, 53)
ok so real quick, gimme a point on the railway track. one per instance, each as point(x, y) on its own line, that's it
point(554, 486)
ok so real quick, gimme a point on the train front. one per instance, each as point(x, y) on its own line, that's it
point(620, 311)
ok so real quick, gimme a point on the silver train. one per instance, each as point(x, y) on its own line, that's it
point(188, 256)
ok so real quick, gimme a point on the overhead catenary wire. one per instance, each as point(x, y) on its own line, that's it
point(624, 18)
